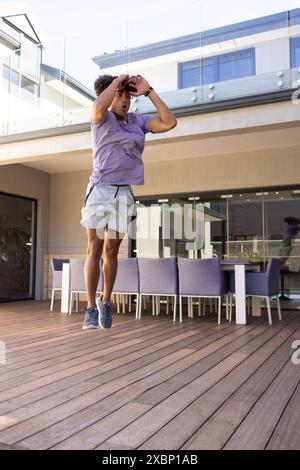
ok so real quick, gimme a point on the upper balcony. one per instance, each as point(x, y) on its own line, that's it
point(198, 62)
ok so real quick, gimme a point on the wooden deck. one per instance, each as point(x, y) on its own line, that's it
point(148, 384)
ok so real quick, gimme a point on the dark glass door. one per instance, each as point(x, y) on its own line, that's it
point(17, 247)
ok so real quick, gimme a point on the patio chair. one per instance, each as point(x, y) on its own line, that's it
point(56, 266)
point(127, 282)
point(158, 277)
point(201, 278)
point(266, 285)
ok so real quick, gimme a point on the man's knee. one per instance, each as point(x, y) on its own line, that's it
point(111, 250)
point(94, 249)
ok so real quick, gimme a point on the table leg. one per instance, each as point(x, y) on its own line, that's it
point(240, 294)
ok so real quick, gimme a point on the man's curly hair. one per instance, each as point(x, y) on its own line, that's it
point(102, 82)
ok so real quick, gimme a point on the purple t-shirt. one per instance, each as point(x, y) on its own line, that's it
point(117, 149)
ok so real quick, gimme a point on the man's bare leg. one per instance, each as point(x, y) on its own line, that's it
point(92, 265)
point(112, 244)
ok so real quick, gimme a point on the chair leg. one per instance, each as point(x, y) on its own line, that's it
point(278, 307)
point(167, 305)
point(118, 303)
point(269, 310)
point(130, 305)
point(192, 308)
point(227, 306)
point(203, 308)
point(180, 308)
point(71, 303)
point(144, 302)
point(230, 307)
point(219, 310)
point(248, 306)
point(157, 305)
point(175, 305)
point(77, 302)
point(52, 300)
point(139, 307)
point(124, 297)
point(153, 306)
point(199, 307)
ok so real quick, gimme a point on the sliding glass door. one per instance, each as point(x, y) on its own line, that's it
point(17, 247)
point(254, 225)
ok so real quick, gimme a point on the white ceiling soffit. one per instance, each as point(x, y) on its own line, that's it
point(178, 150)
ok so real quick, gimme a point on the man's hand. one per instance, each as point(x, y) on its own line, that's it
point(122, 79)
point(140, 84)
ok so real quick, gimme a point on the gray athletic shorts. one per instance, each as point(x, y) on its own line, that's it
point(107, 206)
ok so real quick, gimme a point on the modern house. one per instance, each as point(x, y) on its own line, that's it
point(235, 151)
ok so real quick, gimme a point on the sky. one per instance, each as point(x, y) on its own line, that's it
point(94, 27)
point(64, 18)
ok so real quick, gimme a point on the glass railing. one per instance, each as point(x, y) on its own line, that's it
point(191, 56)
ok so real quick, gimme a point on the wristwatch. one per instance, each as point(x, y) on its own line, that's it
point(148, 91)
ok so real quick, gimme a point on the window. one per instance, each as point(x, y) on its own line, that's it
point(217, 69)
point(295, 52)
point(189, 74)
point(11, 75)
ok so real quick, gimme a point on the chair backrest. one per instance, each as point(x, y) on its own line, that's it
point(201, 277)
point(77, 281)
point(57, 266)
point(127, 279)
point(273, 274)
point(158, 275)
point(77, 274)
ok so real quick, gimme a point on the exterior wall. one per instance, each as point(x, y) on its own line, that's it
point(259, 169)
point(28, 182)
point(163, 77)
point(66, 235)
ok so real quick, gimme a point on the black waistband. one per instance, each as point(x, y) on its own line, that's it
point(119, 185)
